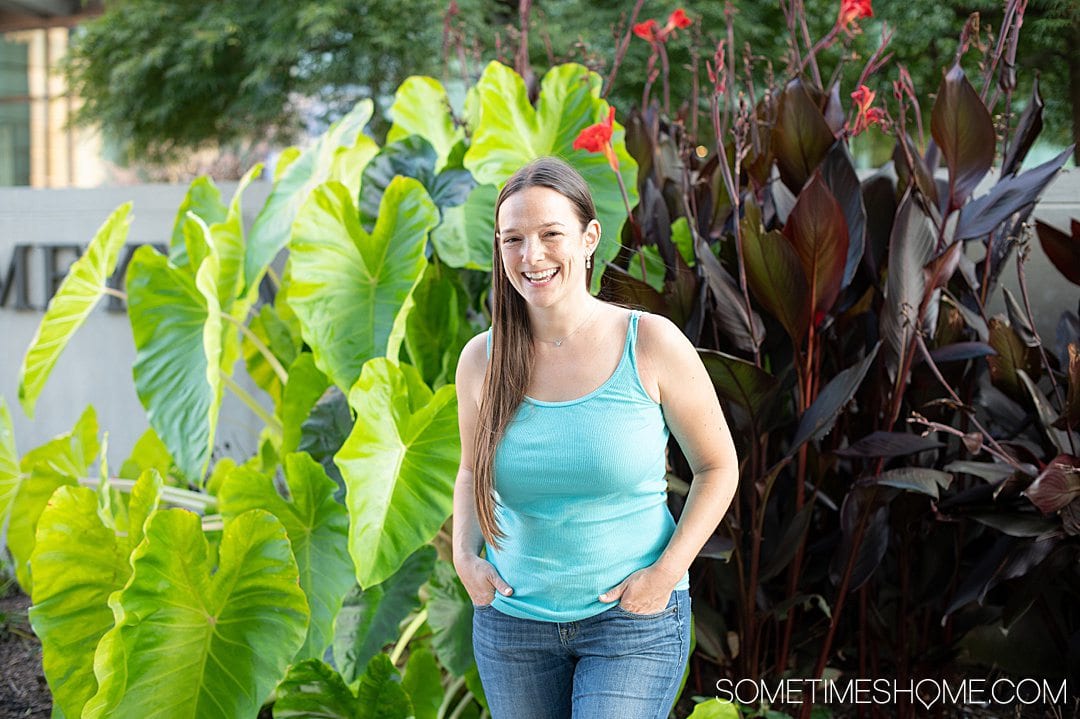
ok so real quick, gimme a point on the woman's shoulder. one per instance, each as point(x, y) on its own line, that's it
point(472, 362)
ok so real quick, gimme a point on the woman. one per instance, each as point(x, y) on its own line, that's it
point(582, 604)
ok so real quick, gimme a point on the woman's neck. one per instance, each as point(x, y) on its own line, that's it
point(557, 322)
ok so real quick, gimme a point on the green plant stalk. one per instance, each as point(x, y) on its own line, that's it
point(407, 635)
point(195, 501)
point(462, 705)
point(271, 421)
point(269, 356)
point(451, 690)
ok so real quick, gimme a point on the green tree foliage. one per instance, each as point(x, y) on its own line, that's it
point(163, 78)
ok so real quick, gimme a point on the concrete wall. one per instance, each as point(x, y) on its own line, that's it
point(96, 366)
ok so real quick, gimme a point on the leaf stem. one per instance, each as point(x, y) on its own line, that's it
point(271, 421)
point(269, 356)
point(410, 630)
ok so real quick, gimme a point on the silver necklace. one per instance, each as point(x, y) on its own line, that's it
point(558, 343)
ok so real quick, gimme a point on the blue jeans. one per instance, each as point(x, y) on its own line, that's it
point(613, 664)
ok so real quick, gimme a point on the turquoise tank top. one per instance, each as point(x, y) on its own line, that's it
point(582, 496)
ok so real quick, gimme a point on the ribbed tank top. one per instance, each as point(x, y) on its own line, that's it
point(582, 495)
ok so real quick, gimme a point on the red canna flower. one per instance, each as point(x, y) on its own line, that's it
point(865, 115)
point(647, 30)
point(597, 138)
point(852, 10)
point(863, 98)
point(677, 19)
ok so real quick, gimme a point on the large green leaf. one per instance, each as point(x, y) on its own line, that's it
point(305, 386)
point(277, 336)
point(962, 128)
point(438, 326)
point(10, 476)
point(73, 302)
point(203, 198)
point(466, 235)
point(313, 689)
point(175, 334)
point(511, 133)
point(423, 683)
point(63, 460)
point(450, 614)
point(318, 529)
point(371, 617)
point(227, 237)
point(77, 563)
point(339, 154)
point(399, 465)
point(149, 452)
point(349, 288)
point(192, 642)
point(421, 107)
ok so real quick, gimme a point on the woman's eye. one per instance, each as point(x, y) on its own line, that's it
point(552, 234)
point(510, 239)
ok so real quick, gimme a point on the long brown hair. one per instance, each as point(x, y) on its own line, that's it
point(511, 362)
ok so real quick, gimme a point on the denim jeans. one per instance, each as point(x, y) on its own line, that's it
point(613, 664)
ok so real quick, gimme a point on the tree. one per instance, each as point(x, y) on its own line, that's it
point(163, 78)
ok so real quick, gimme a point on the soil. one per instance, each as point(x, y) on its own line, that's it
point(23, 691)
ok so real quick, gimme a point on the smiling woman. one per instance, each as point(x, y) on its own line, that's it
point(566, 405)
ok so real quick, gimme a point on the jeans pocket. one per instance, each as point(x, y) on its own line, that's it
point(481, 607)
point(671, 608)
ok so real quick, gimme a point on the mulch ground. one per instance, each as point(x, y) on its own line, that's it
point(23, 691)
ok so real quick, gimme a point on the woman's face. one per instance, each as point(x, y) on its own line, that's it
point(543, 246)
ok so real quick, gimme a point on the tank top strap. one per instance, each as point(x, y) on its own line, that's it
point(489, 342)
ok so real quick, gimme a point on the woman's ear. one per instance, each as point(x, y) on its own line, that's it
point(592, 236)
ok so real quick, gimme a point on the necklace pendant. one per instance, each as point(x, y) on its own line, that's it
point(558, 343)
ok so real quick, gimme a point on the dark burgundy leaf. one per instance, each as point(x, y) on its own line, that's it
point(834, 110)
point(1027, 130)
point(624, 287)
point(730, 304)
point(982, 216)
point(818, 232)
point(1063, 250)
point(921, 175)
point(959, 351)
point(1057, 485)
point(874, 542)
point(775, 274)
point(784, 550)
point(800, 137)
point(963, 129)
point(889, 444)
point(819, 419)
point(879, 201)
point(911, 247)
point(739, 381)
point(838, 171)
point(913, 479)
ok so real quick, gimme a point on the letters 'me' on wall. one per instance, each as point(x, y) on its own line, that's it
point(33, 273)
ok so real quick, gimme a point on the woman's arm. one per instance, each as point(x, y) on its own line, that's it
point(693, 414)
point(468, 539)
point(477, 574)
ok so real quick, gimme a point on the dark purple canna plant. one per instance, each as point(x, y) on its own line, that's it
point(910, 491)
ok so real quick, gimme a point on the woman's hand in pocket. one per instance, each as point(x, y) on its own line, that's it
point(481, 580)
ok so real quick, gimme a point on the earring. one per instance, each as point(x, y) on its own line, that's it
point(588, 261)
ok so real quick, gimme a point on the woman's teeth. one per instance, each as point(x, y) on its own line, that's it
point(539, 278)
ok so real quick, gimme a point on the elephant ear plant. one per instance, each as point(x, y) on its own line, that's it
point(314, 573)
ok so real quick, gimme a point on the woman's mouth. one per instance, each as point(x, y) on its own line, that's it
point(539, 279)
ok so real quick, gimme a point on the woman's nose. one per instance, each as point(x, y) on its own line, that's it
point(532, 249)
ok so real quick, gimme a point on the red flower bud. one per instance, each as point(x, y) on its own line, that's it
point(852, 10)
point(597, 138)
point(646, 30)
